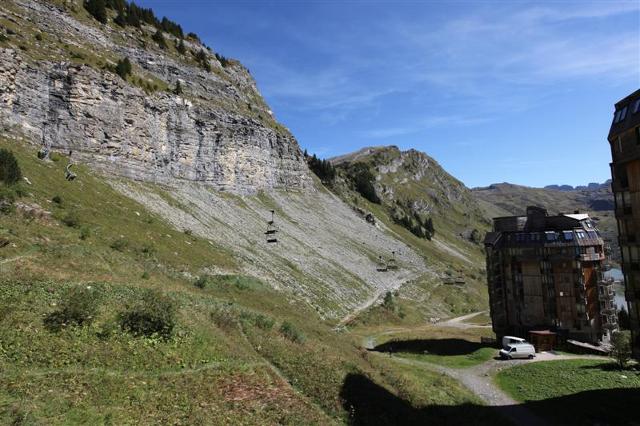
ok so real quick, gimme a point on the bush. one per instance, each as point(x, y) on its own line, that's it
point(289, 331)
point(621, 347)
point(148, 249)
point(123, 68)
point(154, 315)
point(180, 47)
point(97, 9)
point(7, 198)
point(78, 307)
point(159, 38)
point(85, 232)
point(10, 172)
point(145, 275)
point(201, 281)
point(120, 244)
point(261, 321)
point(225, 317)
point(71, 219)
point(57, 199)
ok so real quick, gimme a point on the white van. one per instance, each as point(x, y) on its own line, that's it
point(518, 350)
point(511, 340)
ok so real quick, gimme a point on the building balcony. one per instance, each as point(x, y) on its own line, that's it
point(592, 257)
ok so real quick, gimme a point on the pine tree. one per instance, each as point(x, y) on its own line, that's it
point(159, 38)
point(123, 68)
point(181, 48)
point(97, 9)
point(178, 89)
point(10, 172)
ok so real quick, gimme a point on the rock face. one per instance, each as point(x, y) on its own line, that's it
point(204, 135)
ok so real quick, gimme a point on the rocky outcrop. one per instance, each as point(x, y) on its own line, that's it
point(111, 124)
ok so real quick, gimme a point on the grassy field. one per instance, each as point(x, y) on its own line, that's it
point(240, 352)
point(477, 356)
point(577, 392)
point(449, 347)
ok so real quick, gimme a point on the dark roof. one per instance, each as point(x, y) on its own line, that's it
point(631, 119)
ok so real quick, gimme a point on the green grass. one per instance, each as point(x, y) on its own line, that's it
point(575, 391)
point(455, 361)
point(229, 360)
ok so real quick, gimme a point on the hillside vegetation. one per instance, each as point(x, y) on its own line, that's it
point(238, 351)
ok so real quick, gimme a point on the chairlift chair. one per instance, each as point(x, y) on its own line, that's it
point(271, 230)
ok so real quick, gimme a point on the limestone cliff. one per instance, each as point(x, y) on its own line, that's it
point(57, 88)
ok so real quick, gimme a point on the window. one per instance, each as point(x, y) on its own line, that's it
point(551, 236)
point(581, 234)
point(636, 106)
point(568, 235)
point(623, 114)
point(616, 116)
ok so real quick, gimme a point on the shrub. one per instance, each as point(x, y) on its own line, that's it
point(178, 91)
point(85, 232)
point(148, 249)
point(10, 172)
point(259, 320)
point(154, 315)
point(289, 331)
point(71, 219)
point(97, 9)
point(223, 61)
point(39, 37)
point(145, 275)
point(159, 38)
point(201, 281)
point(180, 47)
point(621, 347)
point(123, 68)
point(225, 317)
point(78, 307)
point(57, 199)
point(7, 198)
point(119, 244)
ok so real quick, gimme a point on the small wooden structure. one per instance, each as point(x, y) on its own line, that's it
point(543, 340)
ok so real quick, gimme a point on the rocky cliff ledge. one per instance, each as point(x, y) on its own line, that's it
point(218, 131)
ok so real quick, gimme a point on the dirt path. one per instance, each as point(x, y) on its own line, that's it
point(479, 379)
point(459, 322)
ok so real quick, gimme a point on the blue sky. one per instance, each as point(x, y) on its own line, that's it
point(495, 91)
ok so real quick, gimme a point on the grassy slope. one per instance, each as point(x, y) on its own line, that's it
point(217, 368)
point(429, 296)
point(575, 391)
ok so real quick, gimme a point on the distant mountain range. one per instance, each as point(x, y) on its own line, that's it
point(504, 199)
point(592, 186)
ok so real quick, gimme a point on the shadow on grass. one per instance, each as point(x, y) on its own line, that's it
point(611, 366)
point(431, 346)
point(370, 404)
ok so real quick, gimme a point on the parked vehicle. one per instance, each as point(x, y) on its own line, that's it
point(510, 340)
point(520, 350)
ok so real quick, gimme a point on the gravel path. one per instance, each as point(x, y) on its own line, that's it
point(479, 379)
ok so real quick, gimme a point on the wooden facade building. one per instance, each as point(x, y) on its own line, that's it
point(624, 140)
point(546, 273)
